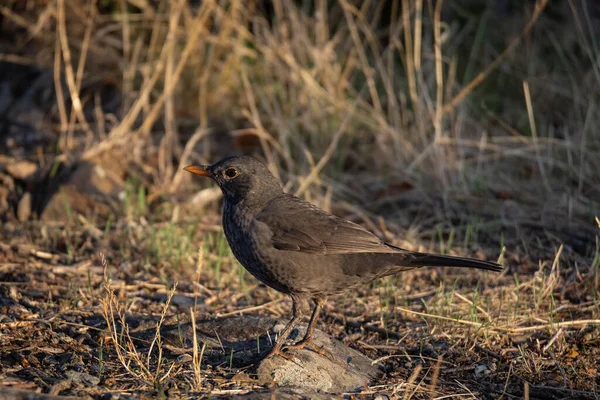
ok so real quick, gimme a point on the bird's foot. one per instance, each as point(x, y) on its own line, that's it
point(286, 351)
point(279, 351)
point(308, 343)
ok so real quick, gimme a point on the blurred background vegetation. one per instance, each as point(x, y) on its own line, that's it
point(455, 126)
point(466, 120)
point(490, 106)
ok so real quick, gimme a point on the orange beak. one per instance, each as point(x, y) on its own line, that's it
point(197, 170)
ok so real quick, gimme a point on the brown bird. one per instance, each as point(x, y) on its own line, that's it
point(298, 249)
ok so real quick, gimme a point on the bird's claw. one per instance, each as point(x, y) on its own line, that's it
point(279, 351)
point(305, 344)
point(286, 351)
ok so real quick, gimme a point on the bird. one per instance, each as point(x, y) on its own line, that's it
point(301, 250)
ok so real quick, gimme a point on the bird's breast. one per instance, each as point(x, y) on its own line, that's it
point(249, 247)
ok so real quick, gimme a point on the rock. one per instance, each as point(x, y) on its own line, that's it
point(342, 370)
point(3, 200)
point(21, 394)
point(285, 393)
point(182, 301)
point(7, 186)
point(22, 170)
point(484, 369)
point(184, 359)
point(81, 378)
point(24, 207)
point(92, 188)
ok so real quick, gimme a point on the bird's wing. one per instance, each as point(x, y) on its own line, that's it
point(300, 226)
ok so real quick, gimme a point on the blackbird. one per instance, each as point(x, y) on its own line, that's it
point(300, 250)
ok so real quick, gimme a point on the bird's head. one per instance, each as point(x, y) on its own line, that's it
point(240, 178)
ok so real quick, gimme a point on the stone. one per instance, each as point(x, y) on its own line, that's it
point(341, 370)
point(93, 188)
point(24, 207)
point(22, 170)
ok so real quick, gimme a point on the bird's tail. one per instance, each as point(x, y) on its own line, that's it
point(436, 260)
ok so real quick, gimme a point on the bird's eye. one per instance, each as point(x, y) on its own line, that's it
point(231, 173)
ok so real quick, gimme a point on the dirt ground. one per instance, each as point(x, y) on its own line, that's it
point(433, 332)
point(110, 255)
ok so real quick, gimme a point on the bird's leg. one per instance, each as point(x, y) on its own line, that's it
point(283, 335)
point(307, 341)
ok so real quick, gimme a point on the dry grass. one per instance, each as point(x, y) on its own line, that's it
point(135, 363)
point(441, 126)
